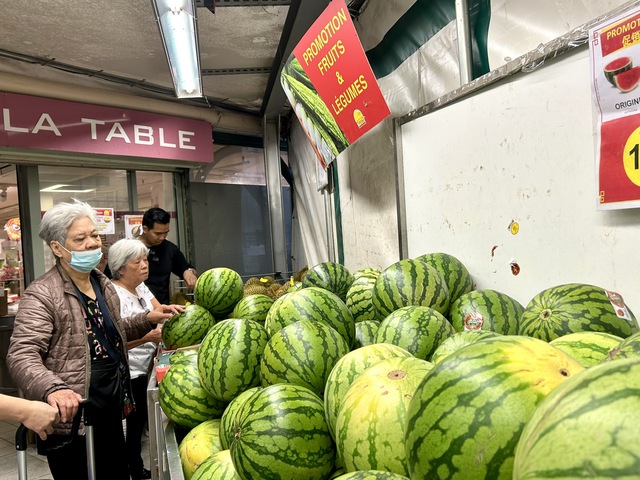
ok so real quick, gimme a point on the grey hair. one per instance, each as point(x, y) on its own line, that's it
point(122, 251)
point(56, 221)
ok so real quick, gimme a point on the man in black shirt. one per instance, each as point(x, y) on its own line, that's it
point(164, 257)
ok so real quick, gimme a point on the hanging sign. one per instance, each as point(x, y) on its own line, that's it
point(106, 223)
point(330, 84)
point(615, 78)
point(132, 226)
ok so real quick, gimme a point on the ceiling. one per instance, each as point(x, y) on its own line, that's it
point(115, 45)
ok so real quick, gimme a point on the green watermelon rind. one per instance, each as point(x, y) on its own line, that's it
point(282, 433)
point(187, 328)
point(586, 428)
point(218, 290)
point(230, 356)
point(331, 276)
point(489, 309)
point(574, 307)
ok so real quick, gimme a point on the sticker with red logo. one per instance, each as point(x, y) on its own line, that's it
point(473, 321)
point(617, 302)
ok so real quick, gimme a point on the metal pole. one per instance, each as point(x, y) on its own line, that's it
point(464, 41)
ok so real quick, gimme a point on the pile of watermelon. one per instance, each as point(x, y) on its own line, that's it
point(409, 372)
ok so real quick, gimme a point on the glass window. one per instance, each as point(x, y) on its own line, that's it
point(11, 271)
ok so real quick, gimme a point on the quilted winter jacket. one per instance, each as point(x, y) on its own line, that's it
point(49, 348)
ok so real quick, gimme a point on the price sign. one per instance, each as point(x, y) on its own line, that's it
point(615, 78)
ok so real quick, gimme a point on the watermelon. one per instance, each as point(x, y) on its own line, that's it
point(586, 428)
point(189, 355)
point(229, 358)
point(183, 398)
point(347, 369)
point(253, 307)
point(371, 475)
point(218, 466)
point(587, 348)
point(409, 282)
point(615, 67)
point(455, 274)
point(576, 307)
point(312, 303)
point(419, 330)
point(302, 353)
point(457, 341)
point(229, 415)
point(365, 272)
point(366, 333)
point(371, 419)
point(467, 415)
point(359, 297)
point(486, 310)
point(331, 276)
point(187, 328)
point(627, 80)
point(218, 290)
point(281, 433)
point(200, 443)
point(629, 347)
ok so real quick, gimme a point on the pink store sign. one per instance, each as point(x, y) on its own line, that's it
point(59, 125)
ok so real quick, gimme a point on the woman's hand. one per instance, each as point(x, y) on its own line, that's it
point(154, 335)
point(39, 417)
point(164, 312)
point(65, 401)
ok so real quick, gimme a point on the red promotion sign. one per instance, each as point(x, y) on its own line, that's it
point(615, 70)
point(330, 84)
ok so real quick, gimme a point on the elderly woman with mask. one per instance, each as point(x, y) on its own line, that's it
point(69, 344)
point(130, 268)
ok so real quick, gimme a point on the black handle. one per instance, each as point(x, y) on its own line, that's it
point(21, 433)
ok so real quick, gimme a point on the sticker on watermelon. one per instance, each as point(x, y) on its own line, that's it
point(617, 302)
point(473, 321)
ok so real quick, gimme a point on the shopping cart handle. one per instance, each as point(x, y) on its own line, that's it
point(21, 438)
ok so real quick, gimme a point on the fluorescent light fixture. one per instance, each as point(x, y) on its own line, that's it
point(179, 32)
point(60, 189)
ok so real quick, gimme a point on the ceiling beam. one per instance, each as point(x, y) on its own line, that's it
point(301, 16)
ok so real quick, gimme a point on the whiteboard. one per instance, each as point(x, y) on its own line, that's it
point(520, 151)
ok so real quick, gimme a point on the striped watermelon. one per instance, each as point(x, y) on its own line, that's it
point(302, 353)
point(187, 328)
point(229, 358)
point(586, 428)
point(183, 398)
point(419, 330)
point(457, 341)
point(366, 333)
point(370, 422)
point(218, 290)
point(253, 307)
point(587, 348)
point(467, 415)
point(371, 475)
point(281, 433)
point(347, 369)
point(367, 271)
point(486, 310)
point(200, 443)
point(629, 347)
point(360, 297)
point(331, 276)
point(189, 355)
point(576, 307)
point(228, 417)
point(218, 466)
point(455, 274)
point(312, 303)
point(409, 282)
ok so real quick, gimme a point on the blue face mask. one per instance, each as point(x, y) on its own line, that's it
point(85, 260)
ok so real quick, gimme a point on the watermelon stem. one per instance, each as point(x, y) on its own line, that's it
point(546, 313)
point(396, 374)
point(564, 372)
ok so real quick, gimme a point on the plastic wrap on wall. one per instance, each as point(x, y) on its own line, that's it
point(528, 62)
point(309, 225)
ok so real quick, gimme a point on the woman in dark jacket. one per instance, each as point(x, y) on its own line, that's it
point(69, 344)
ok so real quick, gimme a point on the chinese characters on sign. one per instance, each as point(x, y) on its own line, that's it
point(615, 76)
